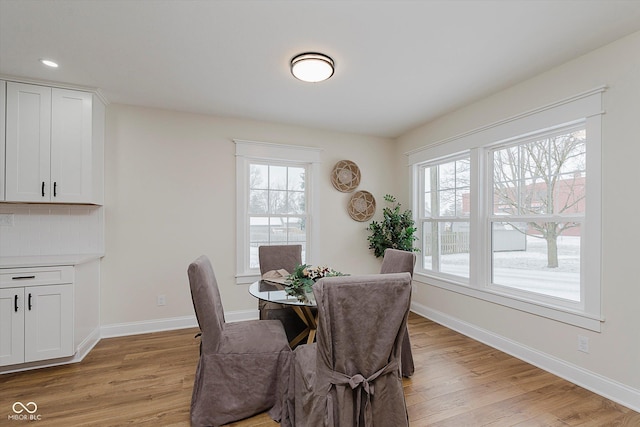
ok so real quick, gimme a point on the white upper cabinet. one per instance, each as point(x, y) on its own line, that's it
point(28, 132)
point(3, 99)
point(71, 146)
point(52, 151)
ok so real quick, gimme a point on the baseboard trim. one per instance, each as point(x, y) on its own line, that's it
point(81, 351)
point(169, 324)
point(592, 381)
point(147, 326)
point(87, 345)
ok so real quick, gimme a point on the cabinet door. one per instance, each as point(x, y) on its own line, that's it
point(28, 141)
point(11, 326)
point(71, 156)
point(48, 322)
point(3, 98)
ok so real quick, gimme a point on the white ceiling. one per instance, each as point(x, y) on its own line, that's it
point(398, 63)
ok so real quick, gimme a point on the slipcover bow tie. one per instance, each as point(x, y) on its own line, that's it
point(358, 380)
point(358, 383)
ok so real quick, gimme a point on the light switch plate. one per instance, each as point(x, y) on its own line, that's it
point(6, 219)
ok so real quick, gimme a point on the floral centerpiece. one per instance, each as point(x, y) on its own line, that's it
point(299, 283)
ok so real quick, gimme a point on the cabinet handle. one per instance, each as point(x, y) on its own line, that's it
point(42, 188)
point(55, 185)
point(15, 303)
point(22, 277)
point(30, 305)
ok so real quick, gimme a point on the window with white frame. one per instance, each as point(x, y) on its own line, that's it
point(511, 212)
point(277, 209)
point(443, 217)
point(275, 201)
point(537, 211)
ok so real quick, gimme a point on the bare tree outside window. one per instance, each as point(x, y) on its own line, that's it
point(542, 178)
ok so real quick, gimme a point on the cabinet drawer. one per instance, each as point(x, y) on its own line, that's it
point(17, 277)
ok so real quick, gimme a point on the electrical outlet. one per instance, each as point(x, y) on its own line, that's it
point(583, 344)
point(162, 300)
point(6, 219)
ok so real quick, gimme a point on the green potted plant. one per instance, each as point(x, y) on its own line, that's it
point(299, 283)
point(396, 230)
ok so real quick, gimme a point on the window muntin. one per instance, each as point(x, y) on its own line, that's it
point(277, 212)
point(444, 219)
point(538, 207)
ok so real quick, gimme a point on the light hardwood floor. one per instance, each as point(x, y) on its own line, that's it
point(146, 380)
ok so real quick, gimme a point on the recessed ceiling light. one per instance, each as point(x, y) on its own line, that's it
point(312, 67)
point(49, 63)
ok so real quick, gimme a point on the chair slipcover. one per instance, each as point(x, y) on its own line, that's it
point(276, 257)
point(243, 368)
point(397, 261)
point(351, 375)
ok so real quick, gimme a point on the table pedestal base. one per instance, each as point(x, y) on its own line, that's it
point(304, 312)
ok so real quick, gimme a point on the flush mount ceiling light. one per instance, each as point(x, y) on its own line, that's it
point(49, 63)
point(312, 67)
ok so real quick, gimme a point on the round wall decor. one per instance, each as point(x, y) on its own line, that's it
point(362, 206)
point(345, 176)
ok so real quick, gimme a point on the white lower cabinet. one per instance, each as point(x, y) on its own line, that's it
point(11, 326)
point(36, 318)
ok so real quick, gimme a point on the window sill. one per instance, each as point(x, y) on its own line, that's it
point(247, 279)
point(561, 314)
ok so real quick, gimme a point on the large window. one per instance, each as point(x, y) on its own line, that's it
point(275, 201)
point(511, 212)
point(444, 216)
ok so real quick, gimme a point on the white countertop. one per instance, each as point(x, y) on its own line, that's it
point(46, 260)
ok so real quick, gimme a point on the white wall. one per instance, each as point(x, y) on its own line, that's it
point(170, 197)
point(614, 358)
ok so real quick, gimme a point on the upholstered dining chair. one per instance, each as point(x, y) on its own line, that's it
point(397, 261)
point(273, 258)
point(351, 375)
point(276, 257)
point(243, 367)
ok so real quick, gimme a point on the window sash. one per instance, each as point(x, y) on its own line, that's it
point(527, 270)
point(442, 246)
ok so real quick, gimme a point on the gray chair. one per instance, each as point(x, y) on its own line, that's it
point(277, 257)
point(397, 261)
point(351, 375)
point(243, 368)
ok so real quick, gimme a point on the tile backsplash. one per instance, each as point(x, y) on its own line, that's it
point(38, 229)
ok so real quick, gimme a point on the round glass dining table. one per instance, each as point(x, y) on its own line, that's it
point(273, 291)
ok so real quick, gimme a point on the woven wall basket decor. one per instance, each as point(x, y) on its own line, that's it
point(345, 176)
point(362, 206)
